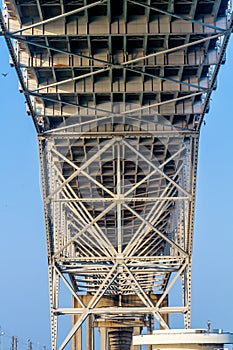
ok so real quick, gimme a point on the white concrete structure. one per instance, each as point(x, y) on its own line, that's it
point(188, 339)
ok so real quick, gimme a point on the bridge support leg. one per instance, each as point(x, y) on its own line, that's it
point(136, 331)
point(104, 338)
point(77, 338)
point(89, 333)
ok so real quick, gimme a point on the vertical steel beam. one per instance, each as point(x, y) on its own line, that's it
point(89, 333)
point(104, 343)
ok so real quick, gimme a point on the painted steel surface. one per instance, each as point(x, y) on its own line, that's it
point(117, 91)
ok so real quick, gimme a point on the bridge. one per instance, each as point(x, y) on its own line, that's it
point(117, 91)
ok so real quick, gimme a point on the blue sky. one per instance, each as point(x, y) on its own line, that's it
point(213, 238)
point(24, 304)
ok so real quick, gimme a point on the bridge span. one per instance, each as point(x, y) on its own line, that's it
point(117, 91)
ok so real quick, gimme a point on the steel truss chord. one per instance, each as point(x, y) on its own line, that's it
point(226, 39)
point(18, 70)
point(128, 310)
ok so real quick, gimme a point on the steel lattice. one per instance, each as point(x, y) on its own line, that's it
point(117, 91)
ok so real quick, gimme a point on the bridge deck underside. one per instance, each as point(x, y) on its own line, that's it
point(118, 91)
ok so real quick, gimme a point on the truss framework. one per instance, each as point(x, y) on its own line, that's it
point(124, 260)
point(117, 95)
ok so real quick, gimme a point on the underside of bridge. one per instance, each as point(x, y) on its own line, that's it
point(117, 90)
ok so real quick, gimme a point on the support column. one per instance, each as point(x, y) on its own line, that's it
point(104, 344)
point(136, 331)
point(89, 333)
point(150, 328)
point(77, 338)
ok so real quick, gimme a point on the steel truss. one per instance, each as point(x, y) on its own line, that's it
point(134, 261)
point(117, 96)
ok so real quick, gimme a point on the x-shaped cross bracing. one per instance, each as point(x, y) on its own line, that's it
point(119, 199)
